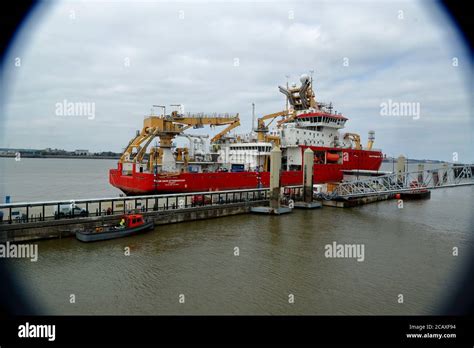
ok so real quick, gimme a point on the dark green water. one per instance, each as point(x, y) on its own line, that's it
point(408, 251)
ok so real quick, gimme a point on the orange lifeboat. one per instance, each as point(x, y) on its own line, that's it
point(332, 157)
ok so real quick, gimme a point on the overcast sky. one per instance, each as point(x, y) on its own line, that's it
point(186, 52)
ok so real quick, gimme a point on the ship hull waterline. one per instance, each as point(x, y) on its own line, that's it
point(148, 183)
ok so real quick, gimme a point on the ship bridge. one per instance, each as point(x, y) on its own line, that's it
point(317, 120)
point(315, 128)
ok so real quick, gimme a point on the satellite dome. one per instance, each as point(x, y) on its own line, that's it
point(304, 78)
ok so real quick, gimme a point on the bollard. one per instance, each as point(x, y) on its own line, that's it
point(401, 169)
point(308, 175)
point(308, 162)
point(275, 168)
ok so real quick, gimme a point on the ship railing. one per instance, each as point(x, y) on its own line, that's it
point(203, 114)
point(24, 212)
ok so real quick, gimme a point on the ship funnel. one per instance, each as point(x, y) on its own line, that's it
point(371, 140)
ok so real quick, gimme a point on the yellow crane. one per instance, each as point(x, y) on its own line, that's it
point(182, 154)
point(235, 123)
point(287, 119)
point(166, 127)
point(354, 138)
point(262, 128)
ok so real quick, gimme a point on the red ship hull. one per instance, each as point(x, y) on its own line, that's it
point(147, 183)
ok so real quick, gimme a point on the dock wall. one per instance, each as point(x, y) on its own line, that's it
point(29, 231)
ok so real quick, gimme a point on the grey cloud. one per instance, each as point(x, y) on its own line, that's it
point(190, 61)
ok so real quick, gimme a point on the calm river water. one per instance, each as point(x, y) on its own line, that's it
point(408, 251)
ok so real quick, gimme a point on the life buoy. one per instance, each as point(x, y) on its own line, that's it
point(99, 229)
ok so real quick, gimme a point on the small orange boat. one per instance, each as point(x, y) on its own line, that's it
point(130, 224)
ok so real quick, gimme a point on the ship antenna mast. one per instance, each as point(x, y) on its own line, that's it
point(287, 86)
point(313, 97)
point(253, 117)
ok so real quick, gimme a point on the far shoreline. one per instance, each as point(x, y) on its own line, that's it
point(63, 157)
